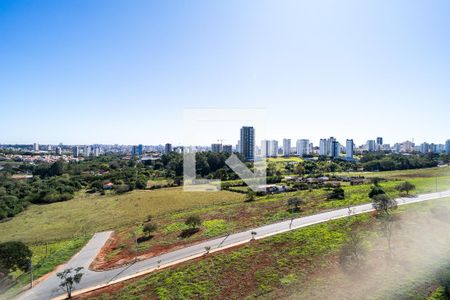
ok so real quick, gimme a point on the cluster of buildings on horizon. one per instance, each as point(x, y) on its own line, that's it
point(329, 147)
point(246, 145)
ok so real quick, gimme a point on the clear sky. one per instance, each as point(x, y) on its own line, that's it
point(91, 71)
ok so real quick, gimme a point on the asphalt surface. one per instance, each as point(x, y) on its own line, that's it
point(49, 289)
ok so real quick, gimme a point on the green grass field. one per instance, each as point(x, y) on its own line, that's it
point(284, 159)
point(403, 174)
point(239, 216)
point(92, 213)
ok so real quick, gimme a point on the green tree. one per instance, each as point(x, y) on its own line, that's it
point(405, 187)
point(69, 279)
point(375, 191)
point(14, 255)
point(250, 196)
point(149, 228)
point(193, 222)
point(56, 169)
point(384, 204)
point(337, 193)
point(353, 252)
point(294, 204)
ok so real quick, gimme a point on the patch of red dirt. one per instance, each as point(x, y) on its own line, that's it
point(125, 256)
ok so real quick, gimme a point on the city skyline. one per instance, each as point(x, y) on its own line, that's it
point(349, 70)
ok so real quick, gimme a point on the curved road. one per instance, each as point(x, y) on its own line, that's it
point(48, 289)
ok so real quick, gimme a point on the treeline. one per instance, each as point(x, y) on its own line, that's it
point(390, 162)
point(316, 167)
point(15, 195)
point(209, 165)
point(60, 181)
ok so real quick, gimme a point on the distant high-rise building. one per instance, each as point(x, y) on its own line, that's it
point(87, 151)
point(286, 147)
point(397, 148)
point(76, 151)
point(227, 149)
point(140, 150)
point(49, 147)
point(424, 148)
point(217, 148)
point(349, 149)
point(323, 148)
point(168, 148)
point(447, 147)
point(303, 148)
point(248, 143)
point(311, 148)
point(273, 148)
point(58, 150)
point(379, 141)
point(96, 151)
point(35, 147)
point(238, 147)
point(265, 148)
point(330, 146)
point(371, 146)
point(335, 149)
point(326, 147)
point(407, 147)
point(433, 148)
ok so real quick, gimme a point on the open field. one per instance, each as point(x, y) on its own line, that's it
point(92, 213)
point(403, 174)
point(221, 213)
point(284, 159)
point(218, 221)
point(288, 265)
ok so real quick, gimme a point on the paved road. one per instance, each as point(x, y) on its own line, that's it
point(48, 289)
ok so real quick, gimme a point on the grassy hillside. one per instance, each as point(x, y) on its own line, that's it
point(86, 213)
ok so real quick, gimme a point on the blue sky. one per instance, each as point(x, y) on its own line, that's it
point(124, 71)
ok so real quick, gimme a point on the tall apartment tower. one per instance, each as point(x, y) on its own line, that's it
point(76, 151)
point(303, 148)
point(227, 149)
point(323, 147)
point(273, 148)
point(447, 147)
point(168, 148)
point(248, 143)
point(371, 146)
point(286, 147)
point(87, 151)
point(217, 148)
point(265, 148)
point(349, 149)
point(335, 149)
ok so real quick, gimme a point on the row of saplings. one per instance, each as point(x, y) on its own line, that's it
point(377, 194)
